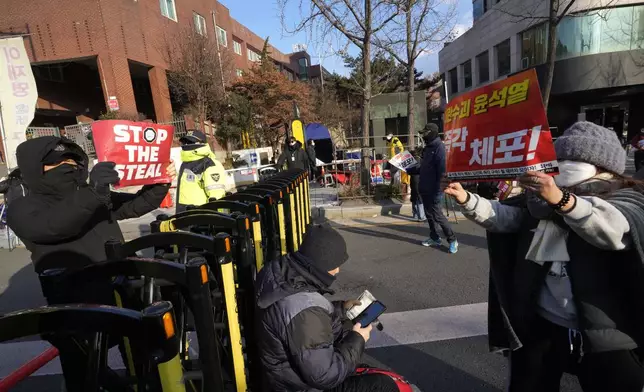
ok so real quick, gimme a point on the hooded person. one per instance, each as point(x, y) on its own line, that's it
point(303, 345)
point(294, 156)
point(566, 268)
point(201, 176)
point(64, 221)
point(431, 170)
point(13, 187)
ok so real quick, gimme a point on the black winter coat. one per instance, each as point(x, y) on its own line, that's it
point(303, 346)
point(13, 187)
point(607, 288)
point(295, 157)
point(431, 170)
point(310, 152)
point(66, 227)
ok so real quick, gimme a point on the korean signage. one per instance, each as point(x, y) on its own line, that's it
point(499, 131)
point(113, 104)
point(403, 160)
point(140, 150)
point(18, 95)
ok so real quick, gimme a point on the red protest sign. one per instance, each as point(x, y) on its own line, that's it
point(499, 131)
point(140, 150)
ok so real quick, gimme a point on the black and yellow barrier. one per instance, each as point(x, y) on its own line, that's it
point(87, 329)
point(243, 267)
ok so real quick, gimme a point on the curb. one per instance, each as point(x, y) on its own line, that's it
point(337, 212)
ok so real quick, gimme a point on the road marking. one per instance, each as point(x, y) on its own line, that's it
point(400, 328)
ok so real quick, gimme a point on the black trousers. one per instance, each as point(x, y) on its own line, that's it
point(638, 159)
point(435, 218)
point(539, 365)
point(367, 383)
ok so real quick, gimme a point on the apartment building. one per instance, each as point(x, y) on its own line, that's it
point(599, 69)
point(88, 57)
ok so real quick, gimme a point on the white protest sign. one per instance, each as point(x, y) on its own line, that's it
point(403, 160)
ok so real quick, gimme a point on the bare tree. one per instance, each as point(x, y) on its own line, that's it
point(355, 20)
point(420, 29)
point(197, 72)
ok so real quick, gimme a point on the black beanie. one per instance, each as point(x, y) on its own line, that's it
point(325, 247)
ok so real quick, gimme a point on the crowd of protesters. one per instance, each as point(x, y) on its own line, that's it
point(566, 261)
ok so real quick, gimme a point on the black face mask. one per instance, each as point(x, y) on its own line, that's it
point(65, 177)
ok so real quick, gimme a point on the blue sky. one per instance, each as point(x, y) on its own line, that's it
point(263, 18)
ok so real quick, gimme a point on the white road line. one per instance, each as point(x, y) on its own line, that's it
point(400, 328)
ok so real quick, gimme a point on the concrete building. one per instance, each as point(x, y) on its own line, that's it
point(89, 56)
point(599, 71)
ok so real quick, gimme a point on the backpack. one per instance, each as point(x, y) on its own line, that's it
point(402, 384)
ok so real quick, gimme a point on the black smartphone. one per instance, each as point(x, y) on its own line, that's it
point(370, 314)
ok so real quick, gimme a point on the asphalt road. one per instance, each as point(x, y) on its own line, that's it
point(435, 323)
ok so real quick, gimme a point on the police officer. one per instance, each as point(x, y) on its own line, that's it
point(201, 175)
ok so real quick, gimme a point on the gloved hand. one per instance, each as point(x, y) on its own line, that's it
point(102, 176)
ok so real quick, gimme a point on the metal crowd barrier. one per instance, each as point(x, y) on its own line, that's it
point(204, 264)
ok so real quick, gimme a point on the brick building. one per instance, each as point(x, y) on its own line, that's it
point(84, 53)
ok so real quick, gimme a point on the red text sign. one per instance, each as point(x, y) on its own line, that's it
point(140, 150)
point(499, 131)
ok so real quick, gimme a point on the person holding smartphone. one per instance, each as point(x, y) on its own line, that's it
point(303, 345)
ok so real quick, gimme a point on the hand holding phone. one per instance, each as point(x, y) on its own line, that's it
point(365, 332)
point(371, 313)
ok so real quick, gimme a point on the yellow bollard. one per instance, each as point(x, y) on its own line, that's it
point(307, 201)
point(282, 227)
point(298, 212)
point(230, 297)
point(302, 203)
point(171, 375)
point(294, 230)
point(257, 237)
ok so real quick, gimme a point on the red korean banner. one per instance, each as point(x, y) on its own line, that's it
point(140, 150)
point(499, 131)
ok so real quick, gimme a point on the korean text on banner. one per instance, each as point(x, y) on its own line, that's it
point(499, 131)
point(403, 160)
point(18, 96)
point(140, 150)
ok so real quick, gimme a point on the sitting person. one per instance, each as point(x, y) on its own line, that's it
point(303, 345)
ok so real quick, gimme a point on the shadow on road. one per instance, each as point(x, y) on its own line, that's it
point(428, 372)
point(22, 292)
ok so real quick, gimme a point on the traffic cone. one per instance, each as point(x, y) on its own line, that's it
point(167, 201)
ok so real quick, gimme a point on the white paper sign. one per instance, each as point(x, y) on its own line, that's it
point(18, 95)
point(403, 160)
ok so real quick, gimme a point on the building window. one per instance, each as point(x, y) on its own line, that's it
point(254, 56)
point(483, 65)
point(51, 72)
point(453, 80)
point(533, 46)
point(222, 38)
point(304, 68)
point(237, 47)
point(239, 73)
point(200, 24)
point(168, 9)
point(503, 58)
point(607, 30)
point(479, 7)
point(467, 73)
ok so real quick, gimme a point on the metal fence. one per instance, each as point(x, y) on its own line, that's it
point(33, 132)
point(81, 135)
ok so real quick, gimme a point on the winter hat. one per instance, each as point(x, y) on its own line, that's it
point(325, 247)
point(60, 153)
point(588, 142)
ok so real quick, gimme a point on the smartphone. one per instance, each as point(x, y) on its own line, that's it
point(370, 314)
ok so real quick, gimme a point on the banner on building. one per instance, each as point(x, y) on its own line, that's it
point(499, 131)
point(140, 150)
point(18, 96)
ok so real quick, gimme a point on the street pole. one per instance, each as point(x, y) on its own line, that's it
point(4, 139)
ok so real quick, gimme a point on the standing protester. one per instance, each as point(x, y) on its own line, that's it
point(294, 156)
point(567, 291)
point(201, 176)
point(303, 345)
point(417, 208)
point(638, 143)
point(432, 170)
point(310, 152)
point(65, 222)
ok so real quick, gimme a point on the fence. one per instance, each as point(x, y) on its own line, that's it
point(33, 132)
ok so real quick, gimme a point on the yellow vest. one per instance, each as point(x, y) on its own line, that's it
point(196, 188)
